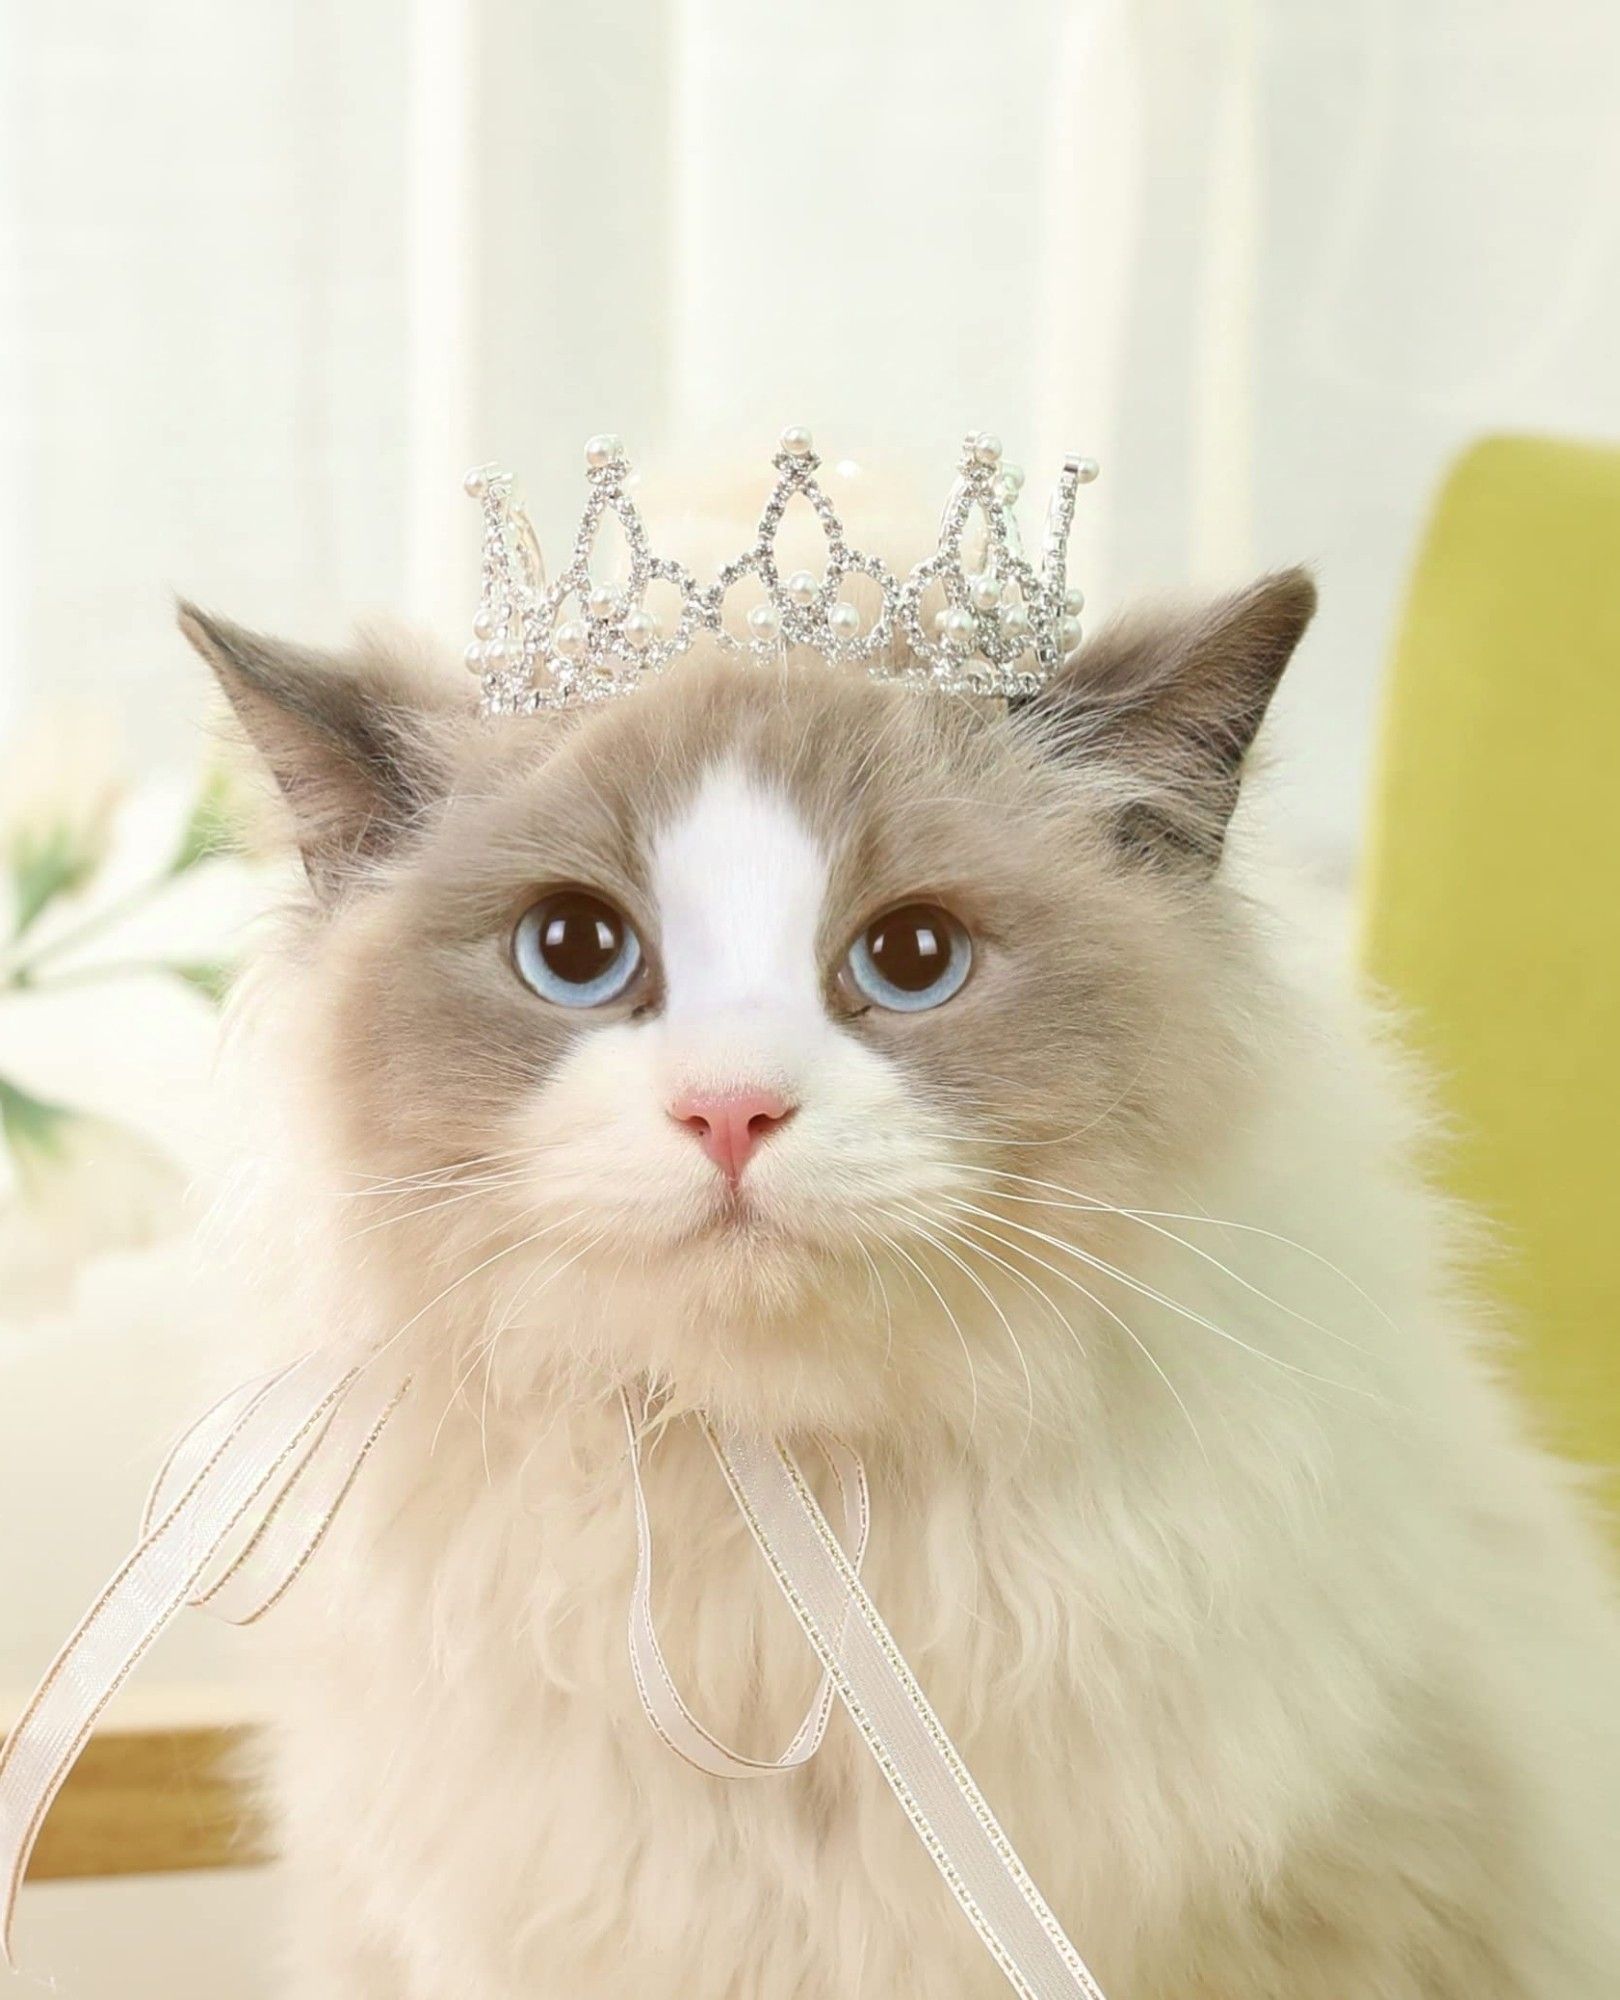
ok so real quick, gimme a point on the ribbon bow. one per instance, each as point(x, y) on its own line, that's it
point(245, 1499)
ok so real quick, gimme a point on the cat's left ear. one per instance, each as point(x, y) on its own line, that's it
point(1173, 705)
point(354, 741)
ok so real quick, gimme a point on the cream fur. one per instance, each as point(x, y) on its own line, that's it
point(1282, 1654)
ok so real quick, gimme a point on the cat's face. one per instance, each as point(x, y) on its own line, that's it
point(711, 1033)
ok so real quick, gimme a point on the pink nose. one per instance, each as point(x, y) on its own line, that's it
point(728, 1125)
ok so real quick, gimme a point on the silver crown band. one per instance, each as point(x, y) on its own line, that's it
point(1000, 628)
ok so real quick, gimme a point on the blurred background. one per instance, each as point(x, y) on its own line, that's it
point(272, 277)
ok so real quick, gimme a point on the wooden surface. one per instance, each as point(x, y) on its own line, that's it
point(159, 1790)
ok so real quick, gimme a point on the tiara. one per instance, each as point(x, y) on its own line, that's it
point(976, 617)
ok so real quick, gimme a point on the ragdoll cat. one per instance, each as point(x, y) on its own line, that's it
point(842, 1058)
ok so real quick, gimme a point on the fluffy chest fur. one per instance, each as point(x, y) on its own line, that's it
point(1216, 1714)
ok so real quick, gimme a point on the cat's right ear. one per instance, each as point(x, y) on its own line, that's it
point(350, 739)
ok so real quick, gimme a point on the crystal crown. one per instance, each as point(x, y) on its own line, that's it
point(976, 617)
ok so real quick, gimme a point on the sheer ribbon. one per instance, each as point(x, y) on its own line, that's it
point(660, 1697)
point(247, 1496)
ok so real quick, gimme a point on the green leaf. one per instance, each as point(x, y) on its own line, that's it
point(210, 979)
point(32, 1129)
point(42, 870)
point(214, 826)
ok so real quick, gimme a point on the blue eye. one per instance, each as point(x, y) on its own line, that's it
point(576, 949)
point(914, 958)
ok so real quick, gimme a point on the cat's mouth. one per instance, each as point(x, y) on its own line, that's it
point(738, 1221)
point(735, 1216)
point(738, 1226)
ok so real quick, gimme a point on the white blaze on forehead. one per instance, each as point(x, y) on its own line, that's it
point(739, 883)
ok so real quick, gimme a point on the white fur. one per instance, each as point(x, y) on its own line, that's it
point(739, 882)
point(1177, 1640)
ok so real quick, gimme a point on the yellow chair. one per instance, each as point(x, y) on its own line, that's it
point(1492, 896)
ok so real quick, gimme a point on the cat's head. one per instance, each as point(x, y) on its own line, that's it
point(772, 1032)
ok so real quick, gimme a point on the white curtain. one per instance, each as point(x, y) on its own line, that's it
point(1273, 261)
point(272, 275)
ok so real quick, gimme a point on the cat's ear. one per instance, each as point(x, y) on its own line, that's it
point(350, 739)
point(1173, 703)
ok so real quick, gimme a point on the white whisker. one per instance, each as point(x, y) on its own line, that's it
point(1107, 1270)
point(1146, 1217)
point(900, 1250)
point(1067, 1278)
point(921, 1224)
point(527, 1293)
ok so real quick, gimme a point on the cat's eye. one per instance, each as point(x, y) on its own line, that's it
point(910, 959)
point(576, 949)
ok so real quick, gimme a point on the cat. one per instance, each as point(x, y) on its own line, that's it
point(839, 1058)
